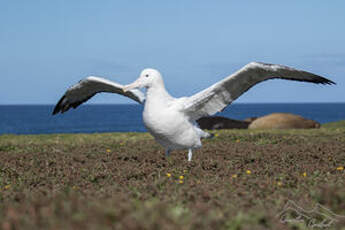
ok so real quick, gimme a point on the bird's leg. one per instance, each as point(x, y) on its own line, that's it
point(167, 152)
point(190, 154)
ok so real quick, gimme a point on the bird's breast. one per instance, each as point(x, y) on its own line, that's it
point(158, 122)
point(170, 128)
point(163, 119)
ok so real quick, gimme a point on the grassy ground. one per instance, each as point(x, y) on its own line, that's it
point(241, 179)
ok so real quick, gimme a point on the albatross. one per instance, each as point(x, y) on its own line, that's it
point(172, 121)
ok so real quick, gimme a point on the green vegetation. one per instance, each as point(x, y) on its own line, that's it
point(241, 179)
point(336, 124)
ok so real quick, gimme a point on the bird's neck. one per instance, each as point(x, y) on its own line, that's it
point(158, 94)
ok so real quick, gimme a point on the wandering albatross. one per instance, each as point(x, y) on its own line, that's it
point(171, 121)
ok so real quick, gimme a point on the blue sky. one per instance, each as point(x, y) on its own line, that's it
point(47, 46)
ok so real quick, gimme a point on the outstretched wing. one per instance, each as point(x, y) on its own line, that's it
point(215, 98)
point(88, 87)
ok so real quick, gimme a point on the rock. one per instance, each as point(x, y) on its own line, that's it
point(283, 121)
point(221, 123)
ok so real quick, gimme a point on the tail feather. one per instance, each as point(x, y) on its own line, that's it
point(204, 134)
point(211, 135)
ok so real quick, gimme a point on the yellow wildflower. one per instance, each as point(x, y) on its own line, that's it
point(279, 183)
point(168, 175)
point(238, 140)
point(234, 176)
point(108, 150)
point(248, 172)
point(7, 186)
point(340, 168)
point(304, 174)
point(181, 177)
point(216, 135)
point(180, 181)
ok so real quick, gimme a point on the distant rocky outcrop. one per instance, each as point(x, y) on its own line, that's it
point(271, 121)
point(221, 123)
point(283, 121)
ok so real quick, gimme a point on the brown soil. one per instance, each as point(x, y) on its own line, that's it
point(238, 180)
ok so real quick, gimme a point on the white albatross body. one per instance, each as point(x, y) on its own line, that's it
point(172, 121)
point(164, 118)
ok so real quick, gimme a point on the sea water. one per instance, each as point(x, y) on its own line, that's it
point(37, 119)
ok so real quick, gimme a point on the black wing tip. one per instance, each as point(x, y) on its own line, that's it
point(324, 81)
point(319, 80)
point(329, 82)
point(315, 78)
point(58, 106)
point(64, 105)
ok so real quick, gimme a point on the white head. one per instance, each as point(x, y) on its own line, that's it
point(148, 78)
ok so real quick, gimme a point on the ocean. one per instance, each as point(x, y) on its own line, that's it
point(37, 119)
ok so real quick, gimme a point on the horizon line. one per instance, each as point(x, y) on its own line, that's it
point(36, 104)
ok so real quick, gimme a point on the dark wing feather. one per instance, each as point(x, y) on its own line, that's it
point(90, 86)
point(215, 98)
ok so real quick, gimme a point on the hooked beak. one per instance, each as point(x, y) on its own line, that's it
point(134, 85)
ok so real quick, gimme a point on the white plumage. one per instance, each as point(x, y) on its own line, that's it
point(171, 121)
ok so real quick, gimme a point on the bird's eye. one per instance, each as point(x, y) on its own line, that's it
point(146, 75)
